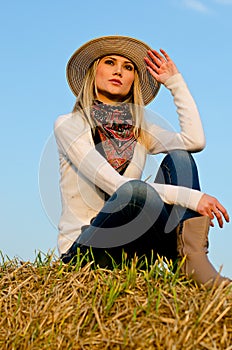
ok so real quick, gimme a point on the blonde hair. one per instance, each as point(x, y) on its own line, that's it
point(89, 93)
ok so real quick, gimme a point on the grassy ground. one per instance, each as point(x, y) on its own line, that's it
point(49, 305)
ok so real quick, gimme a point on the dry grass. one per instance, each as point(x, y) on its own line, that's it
point(49, 305)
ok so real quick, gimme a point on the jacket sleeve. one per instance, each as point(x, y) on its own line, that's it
point(191, 136)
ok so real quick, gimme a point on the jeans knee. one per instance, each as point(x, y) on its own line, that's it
point(179, 168)
point(181, 158)
point(180, 162)
point(138, 191)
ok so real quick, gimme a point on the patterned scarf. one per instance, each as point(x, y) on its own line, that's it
point(114, 137)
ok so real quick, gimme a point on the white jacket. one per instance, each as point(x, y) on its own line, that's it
point(85, 174)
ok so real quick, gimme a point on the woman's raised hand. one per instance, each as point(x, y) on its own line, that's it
point(210, 206)
point(160, 66)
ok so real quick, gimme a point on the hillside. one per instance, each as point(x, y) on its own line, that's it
point(49, 305)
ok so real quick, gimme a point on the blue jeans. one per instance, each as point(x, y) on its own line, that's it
point(136, 220)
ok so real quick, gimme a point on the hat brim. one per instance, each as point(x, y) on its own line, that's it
point(133, 49)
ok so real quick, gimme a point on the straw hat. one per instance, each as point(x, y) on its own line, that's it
point(133, 49)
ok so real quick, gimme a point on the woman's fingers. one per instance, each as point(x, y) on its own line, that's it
point(151, 64)
point(160, 65)
point(218, 215)
point(156, 57)
point(211, 207)
point(165, 55)
point(219, 212)
point(223, 211)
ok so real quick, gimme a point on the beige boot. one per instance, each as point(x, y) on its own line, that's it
point(192, 242)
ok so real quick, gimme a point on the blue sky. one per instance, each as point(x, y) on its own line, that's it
point(37, 39)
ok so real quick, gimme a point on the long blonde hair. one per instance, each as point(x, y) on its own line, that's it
point(88, 94)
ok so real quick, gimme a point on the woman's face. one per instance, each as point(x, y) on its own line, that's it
point(114, 78)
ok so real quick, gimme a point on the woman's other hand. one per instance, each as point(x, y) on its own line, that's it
point(160, 66)
point(210, 206)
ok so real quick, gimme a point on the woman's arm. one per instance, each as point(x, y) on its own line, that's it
point(163, 69)
point(75, 143)
point(191, 136)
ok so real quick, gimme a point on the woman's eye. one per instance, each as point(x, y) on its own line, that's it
point(129, 67)
point(109, 62)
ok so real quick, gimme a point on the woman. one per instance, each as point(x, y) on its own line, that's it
point(102, 147)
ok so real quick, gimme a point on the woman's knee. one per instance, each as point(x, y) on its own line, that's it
point(179, 168)
point(138, 190)
point(180, 158)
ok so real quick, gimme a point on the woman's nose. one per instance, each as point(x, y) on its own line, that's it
point(118, 70)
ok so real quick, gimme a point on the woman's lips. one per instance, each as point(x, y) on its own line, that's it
point(116, 81)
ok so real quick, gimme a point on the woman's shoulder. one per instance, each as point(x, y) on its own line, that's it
point(62, 119)
point(71, 124)
point(73, 119)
